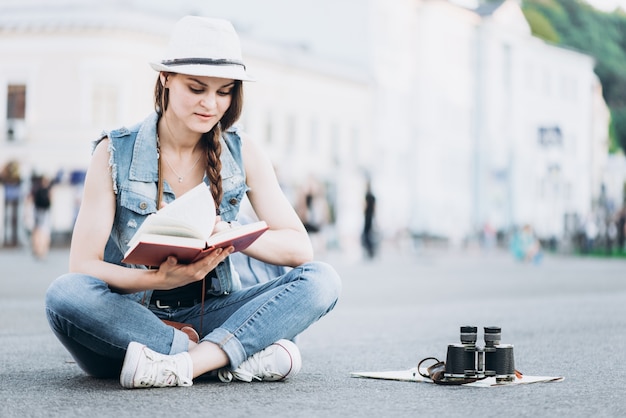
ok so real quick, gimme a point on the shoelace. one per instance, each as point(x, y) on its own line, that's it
point(251, 369)
point(168, 375)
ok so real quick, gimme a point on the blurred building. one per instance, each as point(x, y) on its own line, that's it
point(495, 126)
point(72, 70)
point(460, 117)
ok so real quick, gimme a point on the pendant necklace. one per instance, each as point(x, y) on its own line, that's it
point(180, 178)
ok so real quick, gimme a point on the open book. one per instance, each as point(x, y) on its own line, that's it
point(184, 229)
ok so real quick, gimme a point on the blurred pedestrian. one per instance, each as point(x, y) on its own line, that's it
point(109, 314)
point(11, 180)
point(621, 229)
point(41, 193)
point(313, 210)
point(489, 237)
point(368, 236)
point(525, 246)
point(610, 236)
point(591, 231)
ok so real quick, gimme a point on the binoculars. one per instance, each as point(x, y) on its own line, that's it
point(467, 361)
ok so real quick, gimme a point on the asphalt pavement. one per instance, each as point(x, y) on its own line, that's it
point(565, 317)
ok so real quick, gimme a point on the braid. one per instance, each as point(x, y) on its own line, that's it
point(214, 164)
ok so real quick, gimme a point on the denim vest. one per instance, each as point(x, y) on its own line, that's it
point(134, 168)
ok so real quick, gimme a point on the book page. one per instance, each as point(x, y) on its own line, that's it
point(166, 225)
point(172, 240)
point(196, 207)
point(191, 215)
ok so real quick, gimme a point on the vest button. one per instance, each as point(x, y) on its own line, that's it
point(143, 205)
point(233, 201)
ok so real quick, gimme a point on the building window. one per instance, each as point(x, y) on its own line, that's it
point(314, 136)
point(355, 138)
point(547, 83)
point(16, 101)
point(334, 143)
point(550, 136)
point(269, 131)
point(16, 111)
point(291, 135)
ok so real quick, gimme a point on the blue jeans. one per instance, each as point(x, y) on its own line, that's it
point(96, 324)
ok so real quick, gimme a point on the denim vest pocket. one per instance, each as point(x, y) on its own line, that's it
point(135, 203)
point(229, 207)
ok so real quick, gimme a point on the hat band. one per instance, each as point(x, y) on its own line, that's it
point(201, 61)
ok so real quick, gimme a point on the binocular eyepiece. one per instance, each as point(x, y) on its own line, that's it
point(467, 360)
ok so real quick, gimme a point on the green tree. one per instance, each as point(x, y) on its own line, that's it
point(601, 35)
point(618, 125)
point(541, 26)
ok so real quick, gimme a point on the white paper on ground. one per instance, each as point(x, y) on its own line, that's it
point(412, 375)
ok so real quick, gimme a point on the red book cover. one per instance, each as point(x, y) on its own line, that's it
point(241, 241)
point(153, 249)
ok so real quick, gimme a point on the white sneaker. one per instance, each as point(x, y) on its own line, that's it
point(277, 362)
point(145, 368)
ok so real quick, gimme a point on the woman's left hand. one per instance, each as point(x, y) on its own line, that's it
point(171, 274)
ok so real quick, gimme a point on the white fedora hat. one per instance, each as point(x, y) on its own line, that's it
point(204, 47)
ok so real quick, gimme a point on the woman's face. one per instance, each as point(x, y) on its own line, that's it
point(197, 103)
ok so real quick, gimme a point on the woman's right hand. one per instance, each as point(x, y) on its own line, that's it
point(172, 275)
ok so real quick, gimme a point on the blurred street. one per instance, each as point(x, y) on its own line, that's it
point(565, 317)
